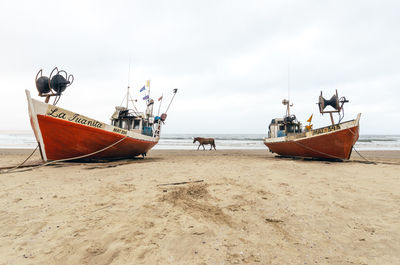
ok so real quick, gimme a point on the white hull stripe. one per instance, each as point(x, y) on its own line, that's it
point(35, 124)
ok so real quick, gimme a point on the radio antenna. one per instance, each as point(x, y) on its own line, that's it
point(129, 80)
point(288, 81)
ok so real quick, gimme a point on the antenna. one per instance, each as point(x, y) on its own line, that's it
point(129, 80)
point(127, 97)
point(288, 73)
point(129, 71)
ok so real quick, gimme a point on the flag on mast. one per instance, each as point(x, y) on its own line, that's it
point(148, 83)
point(160, 98)
point(143, 89)
point(146, 97)
point(309, 119)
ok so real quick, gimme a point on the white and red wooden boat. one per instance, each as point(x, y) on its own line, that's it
point(66, 135)
point(287, 137)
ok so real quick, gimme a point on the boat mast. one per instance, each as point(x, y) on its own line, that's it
point(128, 94)
point(148, 94)
point(129, 80)
point(174, 91)
point(287, 101)
point(127, 97)
point(288, 89)
point(288, 105)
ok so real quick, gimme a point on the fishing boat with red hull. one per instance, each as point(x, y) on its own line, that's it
point(287, 137)
point(65, 135)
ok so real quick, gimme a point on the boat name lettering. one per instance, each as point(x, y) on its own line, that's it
point(121, 131)
point(74, 117)
point(54, 113)
point(326, 129)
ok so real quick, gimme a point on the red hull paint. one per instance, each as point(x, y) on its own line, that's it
point(335, 145)
point(63, 139)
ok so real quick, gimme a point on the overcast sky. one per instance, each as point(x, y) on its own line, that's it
point(229, 59)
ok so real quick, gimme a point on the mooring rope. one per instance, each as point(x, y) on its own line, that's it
point(358, 152)
point(332, 156)
point(322, 153)
point(372, 162)
point(12, 170)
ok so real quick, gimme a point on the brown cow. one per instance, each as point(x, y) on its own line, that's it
point(203, 141)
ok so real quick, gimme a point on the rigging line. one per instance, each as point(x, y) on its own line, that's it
point(170, 102)
point(122, 100)
point(133, 104)
point(71, 158)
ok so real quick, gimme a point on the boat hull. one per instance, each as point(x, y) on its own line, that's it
point(335, 143)
point(63, 139)
point(64, 135)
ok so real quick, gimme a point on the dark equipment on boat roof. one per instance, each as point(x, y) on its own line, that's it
point(54, 85)
point(334, 102)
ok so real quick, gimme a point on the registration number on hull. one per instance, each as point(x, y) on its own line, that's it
point(326, 129)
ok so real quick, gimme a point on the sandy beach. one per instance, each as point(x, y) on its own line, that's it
point(243, 207)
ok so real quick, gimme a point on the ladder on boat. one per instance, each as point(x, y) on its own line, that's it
point(156, 131)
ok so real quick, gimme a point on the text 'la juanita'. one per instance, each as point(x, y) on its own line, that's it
point(73, 117)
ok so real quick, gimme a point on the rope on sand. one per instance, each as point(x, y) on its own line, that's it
point(366, 160)
point(14, 170)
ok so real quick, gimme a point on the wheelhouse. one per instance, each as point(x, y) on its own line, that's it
point(280, 127)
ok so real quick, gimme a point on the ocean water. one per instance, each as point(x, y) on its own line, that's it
point(222, 141)
point(26, 139)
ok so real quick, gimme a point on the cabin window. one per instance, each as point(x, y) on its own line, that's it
point(124, 124)
point(281, 133)
point(136, 124)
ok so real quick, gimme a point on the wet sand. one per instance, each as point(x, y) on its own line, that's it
point(247, 207)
